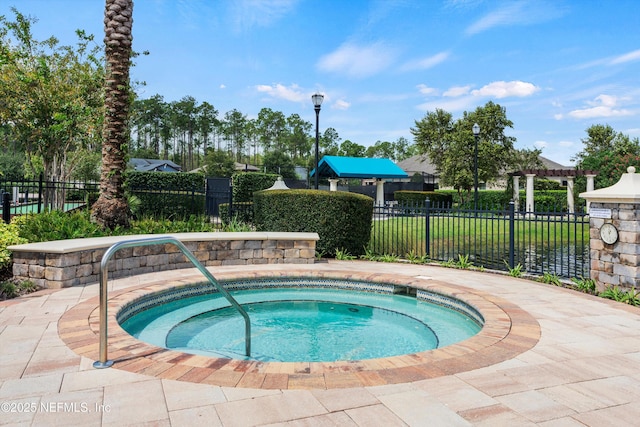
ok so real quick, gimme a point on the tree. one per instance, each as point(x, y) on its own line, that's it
point(351, 149)
point(450, 144)
point(608, 153)
point(111, 209)
point(278, 162)
point(329, 141)
point(51, 97)
point(219, 163)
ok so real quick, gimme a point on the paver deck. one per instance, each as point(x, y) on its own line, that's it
point(566, 359)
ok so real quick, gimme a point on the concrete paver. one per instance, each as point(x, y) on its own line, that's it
point(583, 368)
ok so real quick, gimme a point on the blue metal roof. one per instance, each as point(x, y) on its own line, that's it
point(359, 167)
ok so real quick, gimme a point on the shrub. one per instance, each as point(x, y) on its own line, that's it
point(167, 194)
point(418, 197)
point(57, 225)
point(9, 235)
point(246, 183)
point(341, 219)
point(242, 212)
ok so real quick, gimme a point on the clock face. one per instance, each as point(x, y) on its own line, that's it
point(609, 233)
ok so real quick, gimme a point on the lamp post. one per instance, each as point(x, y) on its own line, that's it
point(476, 135)
point(317, 102)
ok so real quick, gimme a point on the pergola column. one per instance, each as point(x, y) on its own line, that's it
point(529, 200)
point(333, 184)
point(379, 192)
point(570, 204)
point(590, 187)
point(516, 190)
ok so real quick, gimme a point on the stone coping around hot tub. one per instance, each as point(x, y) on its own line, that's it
point(507, 332)
point(64, 263)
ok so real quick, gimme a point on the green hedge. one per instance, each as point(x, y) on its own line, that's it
point(176, 195)
point(418, 197)
point(341, 219)
point(242, 211)
point(246, 183)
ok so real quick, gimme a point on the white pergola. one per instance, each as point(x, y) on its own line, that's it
point(568, 174)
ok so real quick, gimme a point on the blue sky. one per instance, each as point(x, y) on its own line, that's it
point(558, 66)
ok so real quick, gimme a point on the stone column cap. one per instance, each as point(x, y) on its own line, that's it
point(626, 190)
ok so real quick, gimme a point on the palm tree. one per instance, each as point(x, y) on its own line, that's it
point(111, 209)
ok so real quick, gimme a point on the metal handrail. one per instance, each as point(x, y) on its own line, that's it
point(104, 362)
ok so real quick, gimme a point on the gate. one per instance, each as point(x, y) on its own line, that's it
point(218, 191)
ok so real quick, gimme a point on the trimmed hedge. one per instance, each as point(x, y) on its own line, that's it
point(418, 197)
point(341, 219)
point(177, 195)
point(246, 183)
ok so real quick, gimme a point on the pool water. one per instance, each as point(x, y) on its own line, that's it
point(302, 324)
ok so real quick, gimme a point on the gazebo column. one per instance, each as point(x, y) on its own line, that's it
point(333, 184)
point(516, 190)
point(529, 200)
point(590, 187)
point(570, 205)
point(379, 192)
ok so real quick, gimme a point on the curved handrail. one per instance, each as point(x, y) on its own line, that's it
point(104, 362)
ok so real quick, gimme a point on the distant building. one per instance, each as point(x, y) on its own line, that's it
point(422, 165)
point(154, 165)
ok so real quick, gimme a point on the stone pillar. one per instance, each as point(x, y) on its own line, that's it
point(570, 205)
point(333, 184)
point(379, 192)
point(616, 263)
point(529, 200)
point(516, 190)
point(590, 186)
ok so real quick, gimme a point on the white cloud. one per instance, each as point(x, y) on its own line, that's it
point(222, 86)
point(627, 57)
point(279, 91)
point(426, 63)
point(602, 106)
point(558, 116)
point(341, 104)
point(541, 144)
point(460, 103)
point(456, 91)
point(521, 12)
point(358, 61)
point(261, 13)
point(426, 90)
point(502, 89)
point(566, 143)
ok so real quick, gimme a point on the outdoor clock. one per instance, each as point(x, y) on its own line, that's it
point(609, 233)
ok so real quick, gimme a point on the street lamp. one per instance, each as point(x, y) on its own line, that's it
point(476, 135)
point(317, 102)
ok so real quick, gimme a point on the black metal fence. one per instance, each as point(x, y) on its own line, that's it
point(504, 239)
point(35, 196)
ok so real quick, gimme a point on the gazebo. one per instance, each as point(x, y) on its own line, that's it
point(335, 167)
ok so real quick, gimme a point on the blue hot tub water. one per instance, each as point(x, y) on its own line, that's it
point(302, 324)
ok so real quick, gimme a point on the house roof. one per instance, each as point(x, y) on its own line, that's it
point(358, 167)
point(154, 165)
point(419, 163)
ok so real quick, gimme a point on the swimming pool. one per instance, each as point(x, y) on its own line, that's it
point(298, 319)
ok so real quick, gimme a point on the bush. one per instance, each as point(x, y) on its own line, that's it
point(9, 235)
point(246, 183)
point(242, 212)
point(418, 198)
point(57, 225)
point(341, 219)
point(177, 195)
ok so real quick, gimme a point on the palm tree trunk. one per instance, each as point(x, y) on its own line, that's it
point(111, 209)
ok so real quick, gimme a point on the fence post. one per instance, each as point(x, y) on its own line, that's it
point(6, 207)
point(427, 231)
point(230, 200)
point(512, 233)
point(40, 192)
